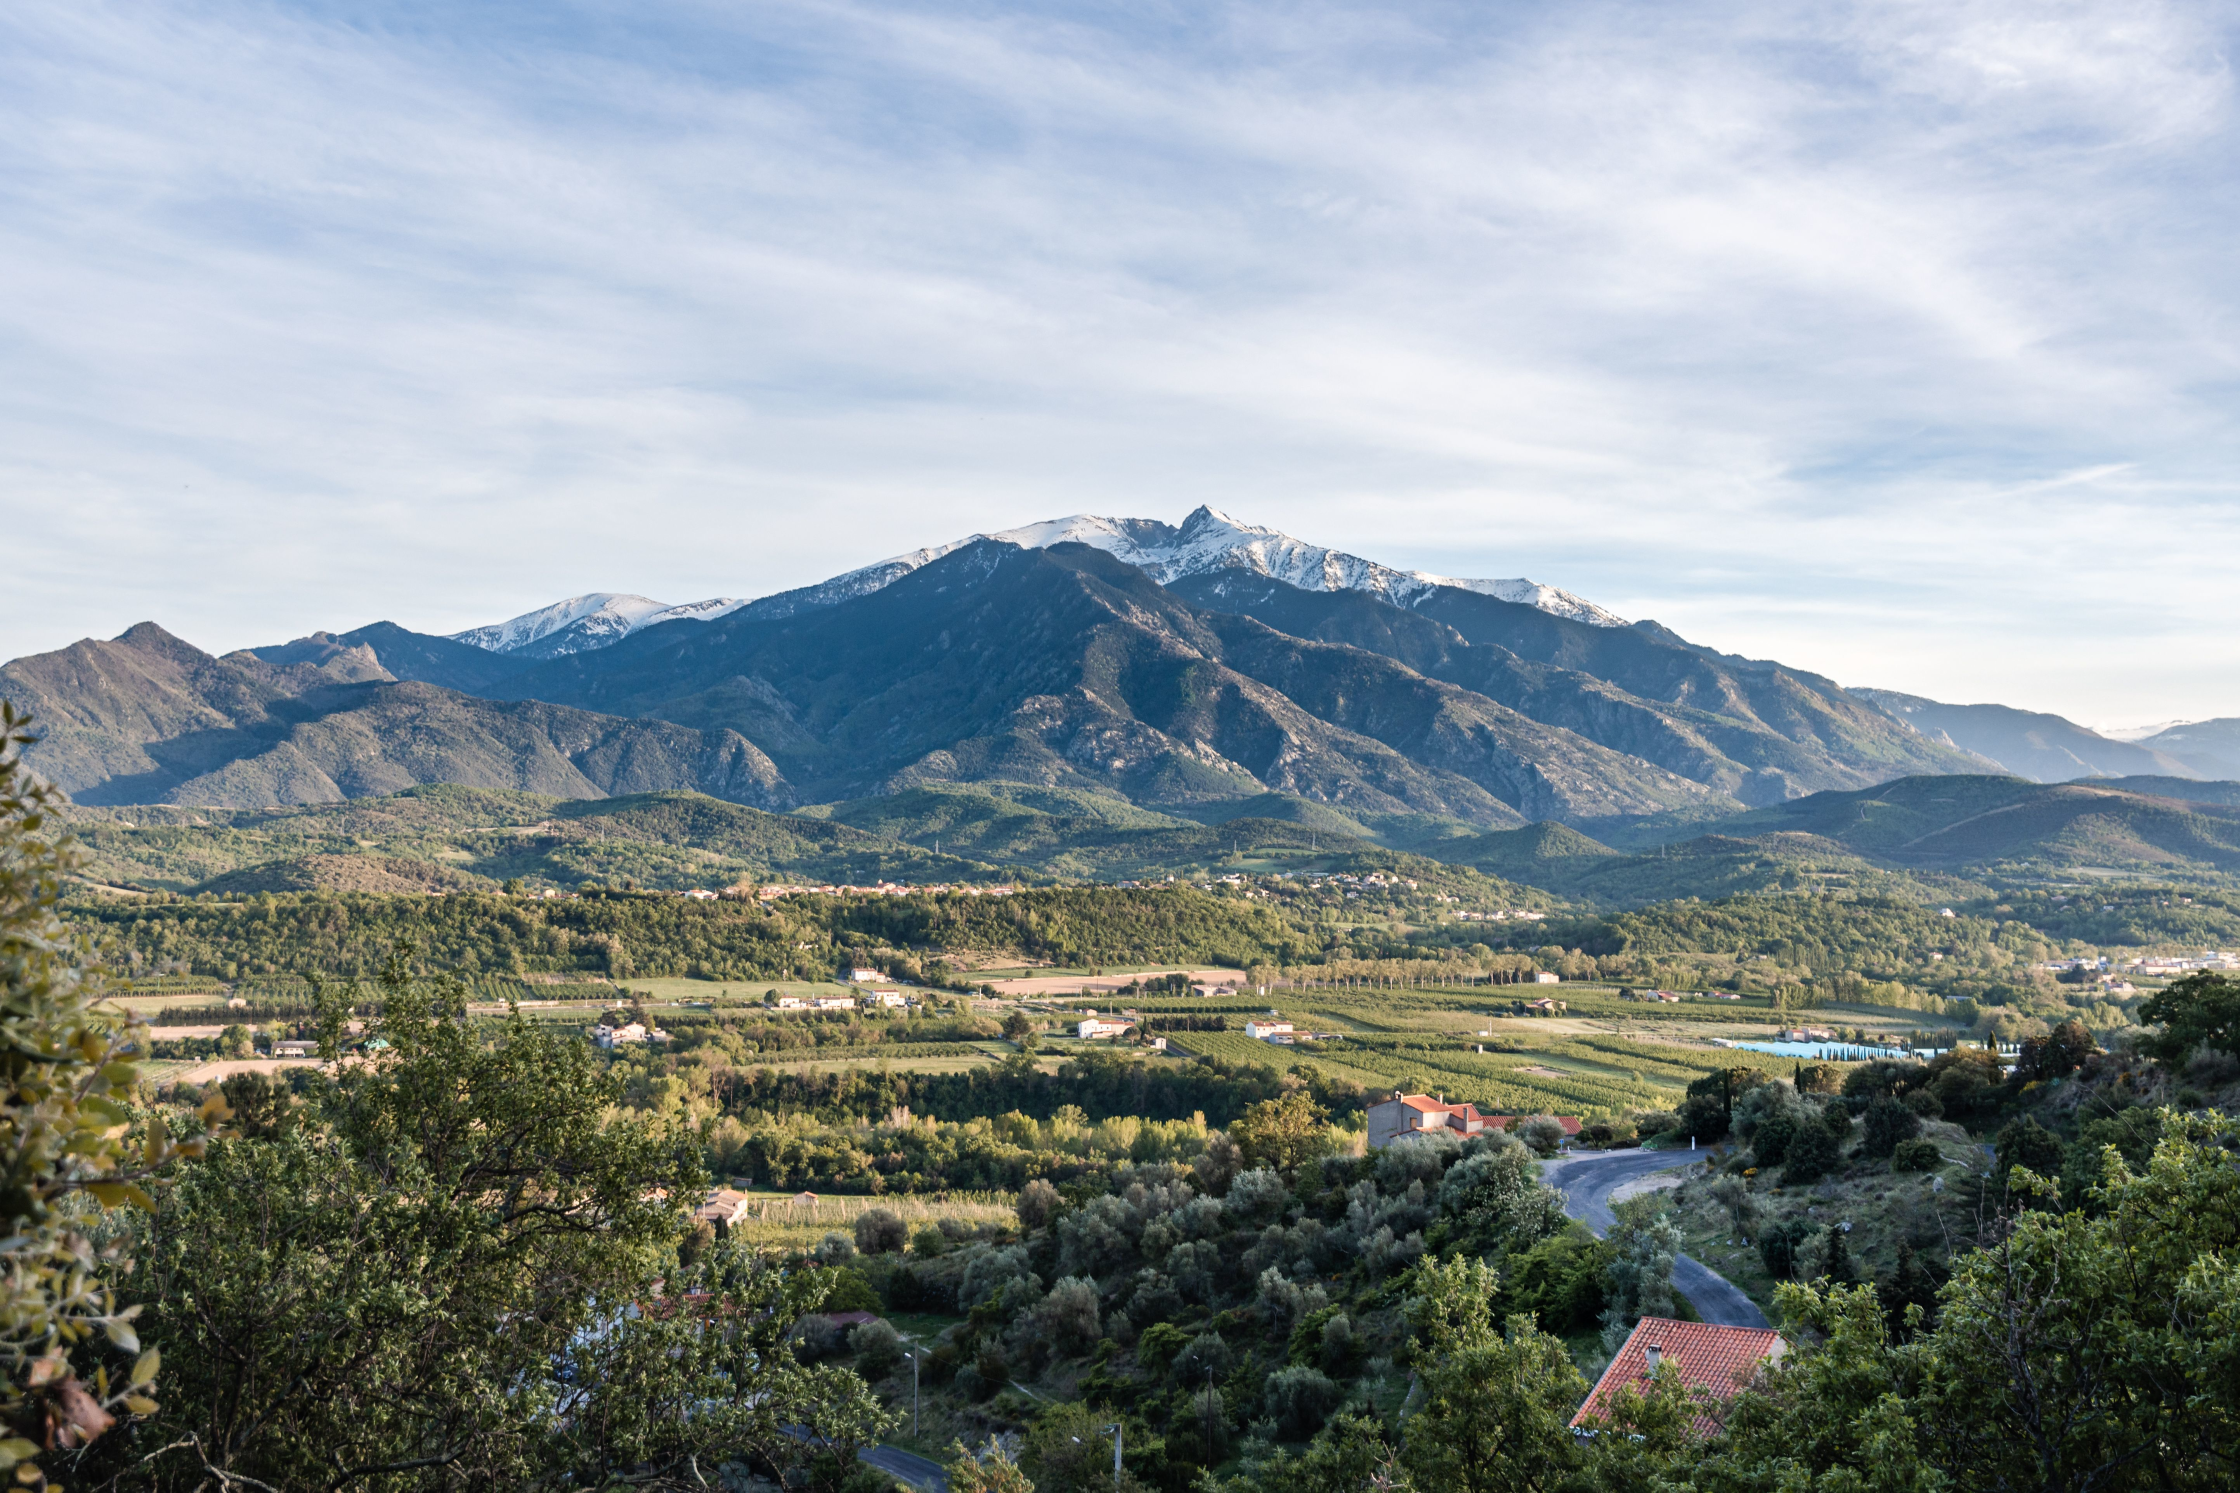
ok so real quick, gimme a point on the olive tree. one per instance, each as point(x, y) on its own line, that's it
point(72, 1147)
point(462, 1271)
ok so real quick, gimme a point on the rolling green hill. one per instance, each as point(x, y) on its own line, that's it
point(1569, 864)
point(2011, 824)
point(939, 833)
point(481, 836)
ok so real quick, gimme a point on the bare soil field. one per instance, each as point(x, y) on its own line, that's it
point(1050, 985)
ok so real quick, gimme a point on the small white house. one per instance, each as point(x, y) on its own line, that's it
point(792, 1003)
point(866, 976)
point(725, 1206)
point(1547, 977)
point(1093, 1029)
point(885, 998)
point(616, 1036)
point(835, 1003)
point(1268, 1031)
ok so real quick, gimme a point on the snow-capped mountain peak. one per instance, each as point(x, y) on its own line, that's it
point(1210, 540)
point(581, 623)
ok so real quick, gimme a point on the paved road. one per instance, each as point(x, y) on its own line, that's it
point(1586, 1183)
point(909, 1466)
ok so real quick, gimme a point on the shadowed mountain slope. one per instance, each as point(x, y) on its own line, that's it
point(1068, 668)
point(404, 654)
point(1754, 731)
point(2028, 743)
point(146, 718)
point(1955, 821)
point(2210, 748)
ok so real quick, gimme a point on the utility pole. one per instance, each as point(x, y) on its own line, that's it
point(913, 1388)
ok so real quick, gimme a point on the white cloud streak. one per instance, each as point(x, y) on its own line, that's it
point(1895, 341)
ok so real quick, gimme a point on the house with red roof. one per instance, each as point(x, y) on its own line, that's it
point(1716, 1361)
point(1404, 1115)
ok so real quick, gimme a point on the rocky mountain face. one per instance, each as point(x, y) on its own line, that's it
point(1208, 542)
point(1756, 732)
point(581, 623)
point(2033, 744)
point(2209, 748)
point(147, 718)
point(1067, 667)
point(1197, 669)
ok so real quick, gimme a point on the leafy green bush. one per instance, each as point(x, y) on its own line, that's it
point(1916, 1155)
point(877, 1348)
point(1559, 1281)
point(1778, 1243)
point(1813, 1153)
point(66, 1086)
point(1886, 1123)
point(2028, 1144)
point(880, 1231)
point(1299, 1400)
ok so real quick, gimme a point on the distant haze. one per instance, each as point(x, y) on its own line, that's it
point(1891, 341)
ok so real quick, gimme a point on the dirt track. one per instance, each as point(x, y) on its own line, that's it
point(223, 1068)
point(1048, 985)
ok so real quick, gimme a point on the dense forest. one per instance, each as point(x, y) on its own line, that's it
point(1982, 964)
point(622, 934)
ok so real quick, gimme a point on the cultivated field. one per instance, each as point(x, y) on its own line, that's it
point(796, 1221)
point(1602, 1056)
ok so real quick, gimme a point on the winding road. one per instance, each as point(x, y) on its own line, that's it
point(1586, 1183)
point(913, 1469)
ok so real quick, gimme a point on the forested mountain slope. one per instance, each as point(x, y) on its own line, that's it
point(1953, 821)
point(1406, 708)
point(1757, 732)
point(1068, 668)
point(2029, 743)
point(146, 718)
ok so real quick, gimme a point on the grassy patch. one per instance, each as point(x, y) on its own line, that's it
point(777, 1220)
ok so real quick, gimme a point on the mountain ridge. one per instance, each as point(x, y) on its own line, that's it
point(1083, 671)
point(1199, 684)
point(1206, 540)
point(2037, 745)
point(148, 718)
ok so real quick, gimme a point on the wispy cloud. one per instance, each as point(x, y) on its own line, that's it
point(1896, 341)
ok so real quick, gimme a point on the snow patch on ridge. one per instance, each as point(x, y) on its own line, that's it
point(585, 622)
point(1210, 540)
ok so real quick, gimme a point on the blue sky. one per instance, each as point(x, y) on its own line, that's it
point(1896, 341)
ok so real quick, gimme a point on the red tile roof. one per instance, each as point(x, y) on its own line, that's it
point(1717, 1360)
point(1465, 1116)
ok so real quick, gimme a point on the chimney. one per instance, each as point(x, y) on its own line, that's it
point(1654, 1354)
